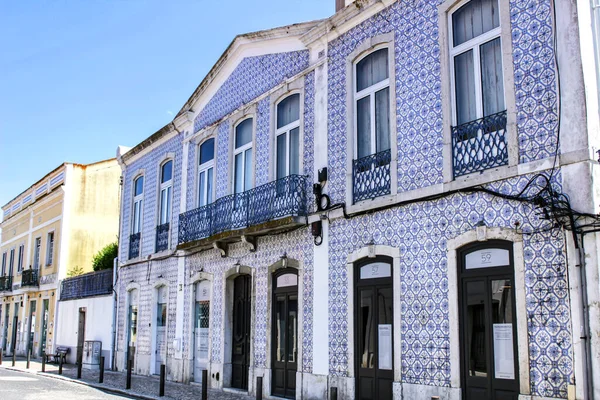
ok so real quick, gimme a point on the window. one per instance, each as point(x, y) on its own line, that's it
point(206, 164)
point(138, 193)
point(476, 61)
point(11, 264)
point(20, 259)
point(166, 186)
point(242, 174)
point(4, 264)
point(288, 137)
point(36, 253)
point(372, 104)
point(49, 248)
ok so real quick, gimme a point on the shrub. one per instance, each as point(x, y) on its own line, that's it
point(105, 257)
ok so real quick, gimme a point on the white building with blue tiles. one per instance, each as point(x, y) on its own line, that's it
point(396, 202)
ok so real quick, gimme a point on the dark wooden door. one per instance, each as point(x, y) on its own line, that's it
point(13, 343)
point(45, 304)
point(31, 327)
point(489, 362)
point(284, 353)
point(240, 354)
point(80, 335)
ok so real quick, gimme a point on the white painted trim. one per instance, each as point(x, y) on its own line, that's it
point(237, 119)
point(192, 285)
point(200, 168)
point(483, 234)
point(297, 87)
point(131, 286)
point(156, 285)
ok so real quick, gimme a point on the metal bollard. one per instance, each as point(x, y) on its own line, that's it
point(204, 384)
point(333, 394)
point(14, 357)
point(161, 388)
point(28, 358)
point(259, 387)
point(59, 365)
point(44, 361)
point(128, 383)
point(101, 380)
point(79, 365)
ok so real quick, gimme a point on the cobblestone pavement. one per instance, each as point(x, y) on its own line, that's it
point(141, 386)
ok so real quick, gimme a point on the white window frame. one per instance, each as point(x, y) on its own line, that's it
point(37, 252)
point(4, 263)
point(164, 187)
point(236, 151)
point(286, 130)
point(139, 199)
point(203, 168)
point(370, 91)
point(49, 249)
point(474, 45)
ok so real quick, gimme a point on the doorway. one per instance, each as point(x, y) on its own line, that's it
point(132, 318)
point(284, 354)
point(161, 329)
point(201, 328)
point(31, 327)
point(488, 329)
point(374, 329)
point(45, 304)
point(80, 335)
point(13, 341)
point(240, 350)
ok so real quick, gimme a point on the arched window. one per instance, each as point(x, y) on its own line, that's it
point(288, 136)
point(138, 199)
point(242, 154)
point(206, 164)
point(166, 189)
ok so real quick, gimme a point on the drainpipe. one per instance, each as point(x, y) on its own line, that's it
point(584, 315)
point(113, 352)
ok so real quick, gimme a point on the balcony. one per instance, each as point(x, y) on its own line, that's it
point(30, 277)
point(5, 283)
point(134, 245)
point(479, 145)
point(274, 206)
point(93, 284)
point(162, 237)
point(371, 176)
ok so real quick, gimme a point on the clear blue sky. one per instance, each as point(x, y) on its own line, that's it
point(80, 77)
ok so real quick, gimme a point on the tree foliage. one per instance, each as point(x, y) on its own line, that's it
point(105, 257)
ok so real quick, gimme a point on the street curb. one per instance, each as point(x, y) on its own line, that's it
point(92, 385)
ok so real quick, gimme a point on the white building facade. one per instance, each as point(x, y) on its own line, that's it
point(395, 202)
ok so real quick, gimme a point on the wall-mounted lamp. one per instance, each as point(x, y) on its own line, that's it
point(284, 260)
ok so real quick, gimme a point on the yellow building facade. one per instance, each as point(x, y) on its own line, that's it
point(51, 229)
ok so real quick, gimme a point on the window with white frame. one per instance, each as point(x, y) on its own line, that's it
point(476, 61)
point(138, 199)
point(288, 137)
point(372, 103)
point(166, 189)
point(242, 156)
point(49, 248)
point(206, 168)
point(36, 253)
point(20, 259)
point(4, 264)
point(11, 262)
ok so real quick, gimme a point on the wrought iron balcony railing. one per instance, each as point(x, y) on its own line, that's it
point(277, 199)
point(134, 245)
point(88, 285)
point(5, 283)
point(479, 145)
point(162, 237)
point(30, 277)
point(371, 176)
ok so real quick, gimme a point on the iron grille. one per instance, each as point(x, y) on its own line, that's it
point(162, 237)
point(30, 277)
point(5, 283)
point(479, 145)
point(371, 176)
point(92, 284)
point(277, 199)
point(134, 245)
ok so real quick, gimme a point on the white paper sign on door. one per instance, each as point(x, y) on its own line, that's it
point(504, 361)
point(385, 346)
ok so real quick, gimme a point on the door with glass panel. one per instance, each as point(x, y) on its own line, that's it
point(201, 328)
point(285, 333)
point(161, 328)
point(373, 319)
point(45, 305)
point(31, 327)
point(288, 142)
point(206, 166)
point(488, 331)
point(132, 318)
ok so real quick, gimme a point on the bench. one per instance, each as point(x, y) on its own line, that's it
point(60, 353)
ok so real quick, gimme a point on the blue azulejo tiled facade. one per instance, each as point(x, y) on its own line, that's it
point(336, 225)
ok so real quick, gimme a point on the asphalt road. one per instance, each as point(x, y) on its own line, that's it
point(23, 386)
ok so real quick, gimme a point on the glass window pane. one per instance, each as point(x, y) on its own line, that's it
point(139, 186)
point(209, 186)
point(475, 328)
point(292, 333)
point(248, 170)
point(295, 151)
point(492, 84)
point(280, 332)
point(288, 110)
point(243, 133)
point(382, 119)
point(163, 205)
point(281, 155)
point(239, 173)
point(167, 172)
point(367, 329)
point(207, 151)
point(168, 211)
point(372, 69)
point(487, 258)
point(473, 19)
point(502, 319)
point(363, 126)
point(202, 189)
point(464, 83)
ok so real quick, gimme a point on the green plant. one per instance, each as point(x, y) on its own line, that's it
point(74, 271)
point(105, 257)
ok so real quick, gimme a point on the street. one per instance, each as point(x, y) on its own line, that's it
point(24, 386)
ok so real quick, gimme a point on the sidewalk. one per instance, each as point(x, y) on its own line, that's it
point(143, 387)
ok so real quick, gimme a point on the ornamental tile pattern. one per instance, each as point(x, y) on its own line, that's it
point(309, 136)
point(263, 124)
point(251, 78)
point(222, 160)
